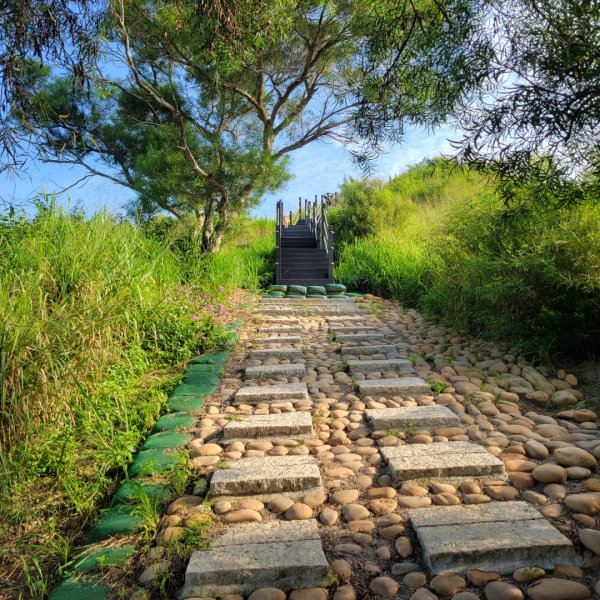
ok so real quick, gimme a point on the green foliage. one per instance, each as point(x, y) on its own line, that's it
point(97, 319)
point(530, 275)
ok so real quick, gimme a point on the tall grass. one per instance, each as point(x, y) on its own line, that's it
point(97, 318)
point(530, 277)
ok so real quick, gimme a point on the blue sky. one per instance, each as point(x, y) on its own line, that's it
point(316, 169)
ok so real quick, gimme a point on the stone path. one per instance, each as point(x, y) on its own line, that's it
point(334, 470)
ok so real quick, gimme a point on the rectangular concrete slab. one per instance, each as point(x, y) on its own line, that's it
point(381, 366)
point(250, 556)
point(283, 392)
point(451, 462)
point(266, 476)
point(352, 338)
point(499, 536)
point(267, 371)
point(357, 328)
point(288, 353)
point(419, 417)
point(396, 386)
point(295, 425)
point(281, 330)
point(387, 349)
point(280, 339)
point(336, 319)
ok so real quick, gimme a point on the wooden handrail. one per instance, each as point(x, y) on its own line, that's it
point(315, 215)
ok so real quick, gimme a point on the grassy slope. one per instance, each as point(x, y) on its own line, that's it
point(97, 320)
point(442, 241)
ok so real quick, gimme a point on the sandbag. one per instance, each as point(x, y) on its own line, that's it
point(335, 288)
point(296, 289)
point(316, 289)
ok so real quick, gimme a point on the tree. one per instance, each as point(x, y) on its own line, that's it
point(529, 104)
point(33, 32)
point(222, 92)
point(537, 121)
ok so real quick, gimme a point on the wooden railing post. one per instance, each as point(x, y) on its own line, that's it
point(330, 255)
point(278, 233)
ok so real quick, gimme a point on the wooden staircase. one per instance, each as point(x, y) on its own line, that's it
point(304, 245)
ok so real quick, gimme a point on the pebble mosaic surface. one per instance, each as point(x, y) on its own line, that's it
point(451, 470)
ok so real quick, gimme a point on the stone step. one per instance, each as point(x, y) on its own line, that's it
point(388, 349)
point(451, 462)
point(344, 329)
point(286, 555)
point(294, 425)
point(280, 339)
point(417, 417)
point(352, 338)
point(380, 366)
point(281, 330)
point(286, 320)
point(282, 353)
point(283, 392)
point(312, 310)
point(499, 536)
point(269, 371)
point(266, 477)
point(396, 386)
point(334, 319)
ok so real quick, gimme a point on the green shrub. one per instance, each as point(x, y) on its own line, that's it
point(527, 276)
point(97, 319)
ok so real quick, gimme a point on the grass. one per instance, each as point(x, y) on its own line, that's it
point(441, 240)
point(97, 319)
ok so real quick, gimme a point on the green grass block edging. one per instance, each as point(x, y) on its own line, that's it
point(174, 421)
point(166, 439)
point(79, 590)
point(115, 521)
point(128, 491)
point(105, 557)
point(152, 462)
point(201, 378)
point(211, 358)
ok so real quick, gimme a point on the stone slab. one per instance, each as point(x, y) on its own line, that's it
point(357, 328)
point(396, 386)
point(381, 366)
point(499, 536)
point(281, 353)
point(451, 462)
point(338, 318)
point(283, 392)
point(351, 338)
point(250, 556)
point(268, 371)
point(266, 477)
point(419, 417)
point(295, 425)
point(281, 330)
point(280, 339)
point(312, 310)
point(388, 349)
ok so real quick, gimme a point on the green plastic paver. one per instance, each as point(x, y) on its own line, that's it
point(211, 358)
point(115, 521)
point(105, 557)
point(174, 421)
point(152, 462)
point(78, 590)
point(129, 491)
point(166, 439)
point(184, 403)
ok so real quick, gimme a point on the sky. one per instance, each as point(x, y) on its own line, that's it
point(316, 169)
